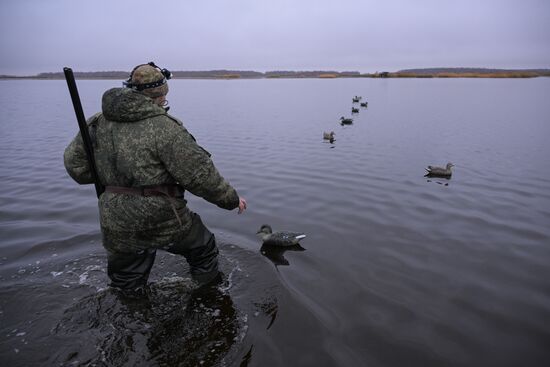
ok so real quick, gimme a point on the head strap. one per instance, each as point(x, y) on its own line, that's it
point(139, 87)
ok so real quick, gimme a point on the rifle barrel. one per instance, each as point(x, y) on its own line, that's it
point(83, 128)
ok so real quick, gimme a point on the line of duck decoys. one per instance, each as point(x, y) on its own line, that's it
point(431, 171)
point(346, 120)
point(349, 120)
point(275, 243)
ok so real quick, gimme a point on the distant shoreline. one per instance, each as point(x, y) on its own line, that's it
point(237, 74)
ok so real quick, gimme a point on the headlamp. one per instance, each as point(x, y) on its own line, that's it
point(139, 87)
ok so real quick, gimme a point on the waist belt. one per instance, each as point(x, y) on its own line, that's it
point(171, 192)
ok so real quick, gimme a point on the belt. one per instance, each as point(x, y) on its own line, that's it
point(171, 192)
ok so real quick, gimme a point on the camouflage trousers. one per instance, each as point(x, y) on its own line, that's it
point(130, 270)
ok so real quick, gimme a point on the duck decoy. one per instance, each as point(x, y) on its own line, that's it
point(433, 171)
point(279, 238)
point(356, 99)
point(364, 104)
point(346, 121)
point(354, 110)
point(328, 136)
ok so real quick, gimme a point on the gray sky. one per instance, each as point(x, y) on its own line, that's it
point(367, 36)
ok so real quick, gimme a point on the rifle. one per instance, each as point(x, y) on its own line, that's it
point(83, 129)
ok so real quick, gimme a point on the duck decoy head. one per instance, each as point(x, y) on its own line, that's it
point(265, 229)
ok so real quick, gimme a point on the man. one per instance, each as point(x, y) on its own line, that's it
point(146, 159)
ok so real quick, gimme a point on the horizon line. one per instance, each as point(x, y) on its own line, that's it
point(287, 71)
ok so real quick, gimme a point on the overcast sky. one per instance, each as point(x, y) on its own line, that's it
point(367, 36)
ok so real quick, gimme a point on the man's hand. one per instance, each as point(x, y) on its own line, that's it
point(242, 205)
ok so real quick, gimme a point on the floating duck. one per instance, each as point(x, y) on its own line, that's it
point(364, 104)
point(280, 238)
point(434, 171)
point(328, 136)
point(356, 99)
point(346, 121)
point(354, 110)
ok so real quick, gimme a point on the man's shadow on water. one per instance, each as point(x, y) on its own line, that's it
point(276, 253)
point(171, 323)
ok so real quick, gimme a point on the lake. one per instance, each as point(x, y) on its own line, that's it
point(397, 269)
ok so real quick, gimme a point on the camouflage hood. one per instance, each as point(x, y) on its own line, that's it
point(127, 105)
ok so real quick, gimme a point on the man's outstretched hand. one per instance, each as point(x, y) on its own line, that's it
point(242, 205)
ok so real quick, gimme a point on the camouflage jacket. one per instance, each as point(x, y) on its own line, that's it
point(136, 143)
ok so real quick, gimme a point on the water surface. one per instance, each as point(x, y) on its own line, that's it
point(398, 269)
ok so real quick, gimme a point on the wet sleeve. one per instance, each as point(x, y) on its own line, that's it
point(192, 168)
point(76, 162)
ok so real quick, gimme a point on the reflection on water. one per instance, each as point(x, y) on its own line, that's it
point(270, 308)
point(276, 253)
point(439, 182)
